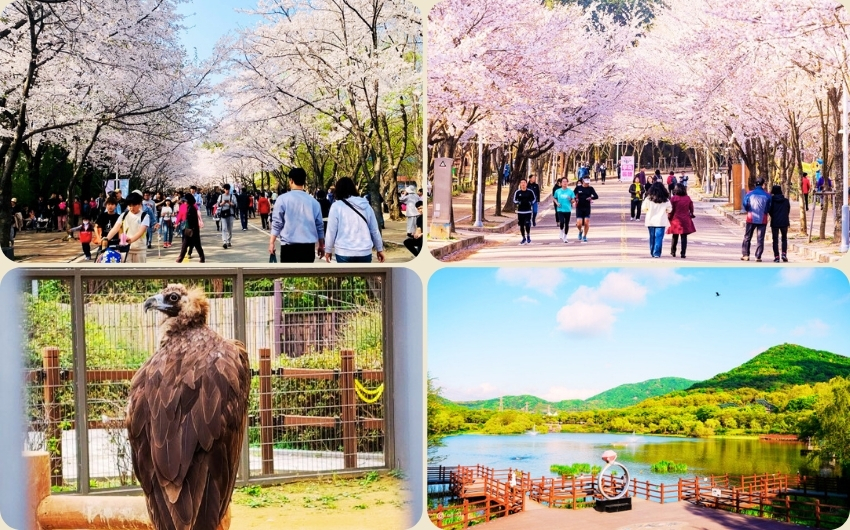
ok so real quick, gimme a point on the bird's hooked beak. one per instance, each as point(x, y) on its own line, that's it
point(158, 302)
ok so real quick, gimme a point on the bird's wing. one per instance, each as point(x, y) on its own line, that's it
point(186, 422)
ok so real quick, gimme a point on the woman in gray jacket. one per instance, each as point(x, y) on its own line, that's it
point(352, 227)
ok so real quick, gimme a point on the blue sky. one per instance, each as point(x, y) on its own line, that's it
point(209, 20)
point(572, 333)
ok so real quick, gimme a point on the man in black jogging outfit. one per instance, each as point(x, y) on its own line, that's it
point(585, 194)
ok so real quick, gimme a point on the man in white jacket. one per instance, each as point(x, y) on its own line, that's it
point(352, 227)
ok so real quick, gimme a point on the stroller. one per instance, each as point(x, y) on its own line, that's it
point(42, 224)
point(112, 253)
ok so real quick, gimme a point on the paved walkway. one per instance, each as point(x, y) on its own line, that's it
point(644, 515)
point(613, 237)
point(250, 246)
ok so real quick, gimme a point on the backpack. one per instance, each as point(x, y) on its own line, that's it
point(62, 206)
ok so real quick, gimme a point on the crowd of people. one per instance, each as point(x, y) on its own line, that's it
point(665, 207)
point(335, 223)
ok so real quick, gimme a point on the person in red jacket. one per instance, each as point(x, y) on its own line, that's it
point(264, 208)
point(805, 188)
point(681, 218)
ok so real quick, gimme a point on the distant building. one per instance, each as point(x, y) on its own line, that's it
point(769, 407)
point(729, 406)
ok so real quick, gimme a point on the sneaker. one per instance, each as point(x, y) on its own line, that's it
point(631, 218)
point(566, 240)
point(522, 242)
point(745, 258)
point(785, 258)
point(224, 246)
point(776, 259)
point(149, 245)
point(758, 260)
point(584, 239)
point(528, 241)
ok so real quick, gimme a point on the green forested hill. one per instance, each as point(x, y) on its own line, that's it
point(780, 366)
point(631, 394)
point(618, 397)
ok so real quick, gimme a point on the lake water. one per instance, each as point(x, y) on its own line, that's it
point(535, 453)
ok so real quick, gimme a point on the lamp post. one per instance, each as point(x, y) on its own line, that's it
point(479, 209)
point(845, 222)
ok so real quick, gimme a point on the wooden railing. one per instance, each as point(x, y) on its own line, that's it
point(464, 515)
point(484, 493)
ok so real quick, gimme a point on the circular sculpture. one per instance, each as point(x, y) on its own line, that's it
point(609, 485)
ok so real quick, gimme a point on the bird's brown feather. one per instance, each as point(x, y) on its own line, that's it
point(186, 422)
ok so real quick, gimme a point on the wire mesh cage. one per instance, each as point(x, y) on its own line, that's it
point(316, 349)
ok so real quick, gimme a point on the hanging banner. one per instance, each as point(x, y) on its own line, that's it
point(627, 168)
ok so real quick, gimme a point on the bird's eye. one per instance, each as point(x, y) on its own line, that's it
point(173, 297)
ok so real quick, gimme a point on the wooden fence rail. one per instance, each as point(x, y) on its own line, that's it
point(51, 377)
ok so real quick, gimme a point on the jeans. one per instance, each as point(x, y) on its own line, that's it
point(243, 216)
point(634, 211)
point(168, 231)
point(534, 214)
point(656, 240)
point(226, 229)
point(354, 259)
point(748, 236)
point(776, 231)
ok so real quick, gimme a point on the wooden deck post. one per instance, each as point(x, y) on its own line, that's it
point(266, 418)
point(787, 509)
point(349, 409)
point(817, 513)
point(52, 414)
point(662, 493)
point(679, 495)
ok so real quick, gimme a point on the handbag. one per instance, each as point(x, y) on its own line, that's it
point(272, 258)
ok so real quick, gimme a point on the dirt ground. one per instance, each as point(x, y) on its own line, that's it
point(373, 502)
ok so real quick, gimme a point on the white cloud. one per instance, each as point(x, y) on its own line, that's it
point(659, 277)
point(766, 330)
point(560, 393)
point(814, 327)
point(544, 280)
point(621, 287)
point(587, 318)
point(793, 277)
point(482, 391)
point(526, 300)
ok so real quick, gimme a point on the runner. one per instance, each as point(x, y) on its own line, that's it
point(585, 194)
point(524, 199)
point(535, 187)
point(564, 199)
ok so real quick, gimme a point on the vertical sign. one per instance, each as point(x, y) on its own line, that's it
point(627, 168)
point(442, 199)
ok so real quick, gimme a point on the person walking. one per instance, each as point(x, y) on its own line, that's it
point(681, 218)
point(149, 205)
point(671, 182)
point(564, 199)
point(603, 171)
point(166, 218)
point(524, 199)
point(297, 222)
point(657, 208)
point(264, 207)
point(86, 230)
point(805, 189)
point(352, 227)
point(192, 229)
point(585, 195)
point(637, 191)
point(243, 201)
point(414, 244)
point(534, 187)
point(410, 212)
point(225, 207)
point(780, 213)
point(61, 214)
point(132, 227)
point(757, 206)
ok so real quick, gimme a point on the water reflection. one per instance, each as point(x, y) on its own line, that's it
point(534, 454)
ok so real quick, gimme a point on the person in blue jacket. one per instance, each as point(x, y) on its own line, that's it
point(757, 206)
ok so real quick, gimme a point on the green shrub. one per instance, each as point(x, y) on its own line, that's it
point(667, 466)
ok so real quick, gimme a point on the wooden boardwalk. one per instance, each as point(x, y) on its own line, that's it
point(644, 515)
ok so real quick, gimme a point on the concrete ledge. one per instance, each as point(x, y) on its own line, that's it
point(454, 246)
point(501, 229)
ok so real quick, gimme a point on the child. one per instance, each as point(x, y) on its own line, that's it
point(86, 231)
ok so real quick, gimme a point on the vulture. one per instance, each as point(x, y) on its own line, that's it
point(187, 415)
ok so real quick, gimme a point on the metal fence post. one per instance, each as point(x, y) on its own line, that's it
point(389, 372)
point(81, 416)
point(50, 362)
